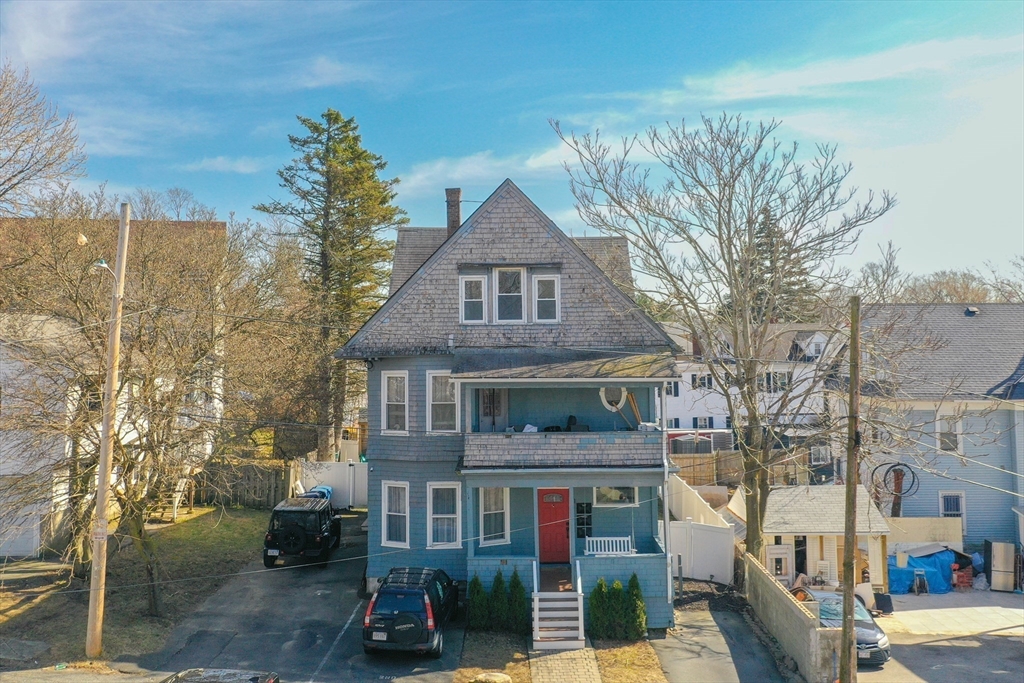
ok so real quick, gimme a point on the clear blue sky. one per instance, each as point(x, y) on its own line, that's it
point(925, 99)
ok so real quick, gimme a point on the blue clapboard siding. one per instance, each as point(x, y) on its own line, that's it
point(542, 407)
point(651, 570)
point(636, 521)
point(987, 438)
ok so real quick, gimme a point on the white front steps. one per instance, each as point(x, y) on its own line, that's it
point(558, 621)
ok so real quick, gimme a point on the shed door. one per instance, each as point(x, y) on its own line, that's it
point(553, 517)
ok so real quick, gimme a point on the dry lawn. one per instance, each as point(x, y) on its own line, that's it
point(499, 652)
point(197, 557)
point(628, 662)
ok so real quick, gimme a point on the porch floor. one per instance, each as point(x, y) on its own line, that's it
point(555, 578)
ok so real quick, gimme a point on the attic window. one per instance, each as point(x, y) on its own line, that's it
point(472, 295)
point(509, 294)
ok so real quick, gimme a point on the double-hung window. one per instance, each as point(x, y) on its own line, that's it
point(947, 434)
point(953, 504)
point(701, 382)
point(395, 403)
point(395, 503)
point(494, 516)
point(546, 293)
point(509, 294)
point(443, 405)
point(472, 297)
point(444, 515)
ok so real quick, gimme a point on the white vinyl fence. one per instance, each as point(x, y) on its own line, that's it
point(702, 541)
point(348, 479)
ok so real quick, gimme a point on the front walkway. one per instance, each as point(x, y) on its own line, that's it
point(564, 666)
point(969, 613)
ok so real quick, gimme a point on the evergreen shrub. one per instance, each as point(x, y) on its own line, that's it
point(518, 605)
point(478, 605)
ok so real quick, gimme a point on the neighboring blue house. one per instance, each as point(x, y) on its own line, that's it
point(959, 370)
point(506, 375)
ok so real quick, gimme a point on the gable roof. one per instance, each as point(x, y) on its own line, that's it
point(952, 355)
point(413, 246)
point(422, 316)
point(819, 510)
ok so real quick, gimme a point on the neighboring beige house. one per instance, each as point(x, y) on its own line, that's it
point(804, 530)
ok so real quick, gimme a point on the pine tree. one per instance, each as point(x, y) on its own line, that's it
point(599, 621)
point(478, 605)
point(340, 208)
point(636, 624)
point(498, 603)
point(518, 605)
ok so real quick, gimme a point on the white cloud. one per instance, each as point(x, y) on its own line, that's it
point(325, 72)
point(35, 33)
point(222, 164)
point(481, 168)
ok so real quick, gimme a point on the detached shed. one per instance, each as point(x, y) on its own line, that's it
point(804, 530)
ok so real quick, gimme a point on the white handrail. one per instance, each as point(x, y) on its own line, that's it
point(579, 598)
point(579, 579)
point(536, 578)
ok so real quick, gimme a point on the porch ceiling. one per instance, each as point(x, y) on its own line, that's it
point(563, 364)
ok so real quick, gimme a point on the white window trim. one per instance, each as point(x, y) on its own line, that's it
point(430, 403)
point(431, 485)
point(507, 540)
point(462, 299)
point(384, 402)
point(558, 298)
point(634, 504)
point(963, 507)
point(958, 421)
point(705, 420)
point(522, 295)
point(384, 514)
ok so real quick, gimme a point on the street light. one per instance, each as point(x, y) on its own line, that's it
point(98, 575)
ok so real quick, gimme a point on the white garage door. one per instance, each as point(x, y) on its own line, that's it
point(19, 537)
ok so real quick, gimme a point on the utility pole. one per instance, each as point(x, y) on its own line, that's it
point(847, 664)
point(98, 575)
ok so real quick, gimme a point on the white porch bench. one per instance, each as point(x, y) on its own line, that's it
point(609, 545)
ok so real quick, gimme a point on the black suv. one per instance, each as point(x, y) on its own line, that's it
point(409, 612)
point(303, 527)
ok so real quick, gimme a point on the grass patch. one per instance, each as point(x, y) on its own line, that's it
point(501, 652)
point(622, 661)
point(206, 548)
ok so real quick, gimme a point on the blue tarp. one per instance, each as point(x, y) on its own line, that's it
point(938, 569)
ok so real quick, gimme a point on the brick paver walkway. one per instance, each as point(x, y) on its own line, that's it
point(564, 666)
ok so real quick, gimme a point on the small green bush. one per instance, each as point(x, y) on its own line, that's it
point(599, 609)
point(617, 612)
point(478, 605)
point(636, 621)
point(498, 604)
point(518, 605)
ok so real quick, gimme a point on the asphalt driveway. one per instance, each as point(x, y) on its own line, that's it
point(714, 647)
point(304, 622)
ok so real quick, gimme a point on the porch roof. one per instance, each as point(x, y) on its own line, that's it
point(560, 363)
point(565, 477)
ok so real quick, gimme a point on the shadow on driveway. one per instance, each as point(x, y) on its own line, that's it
point(715, 647)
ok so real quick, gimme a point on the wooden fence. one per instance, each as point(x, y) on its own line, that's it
point(260, 486)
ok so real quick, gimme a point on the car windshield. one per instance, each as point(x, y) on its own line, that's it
point(394, 603)
point(305, 520)
point(833, 609)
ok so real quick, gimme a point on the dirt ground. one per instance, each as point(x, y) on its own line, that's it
point(501, 652)
point(628, 662)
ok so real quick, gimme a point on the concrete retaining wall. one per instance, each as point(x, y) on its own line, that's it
point(814, 649)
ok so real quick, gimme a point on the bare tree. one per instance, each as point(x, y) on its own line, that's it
point(695, 220)
point(1009, 287)
point(38, 147)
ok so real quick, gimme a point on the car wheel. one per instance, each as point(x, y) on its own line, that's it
point(406, 629)
point(268, 561)
point(439, 650)
point(293, 539)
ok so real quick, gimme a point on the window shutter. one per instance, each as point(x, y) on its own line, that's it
point(675, 388)
point(694, 423)
point(693, 381)
point(711, 423)
point(728, 421)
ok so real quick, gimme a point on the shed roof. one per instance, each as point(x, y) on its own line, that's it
point(819, 510)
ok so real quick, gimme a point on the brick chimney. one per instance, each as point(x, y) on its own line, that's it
point(453, 197)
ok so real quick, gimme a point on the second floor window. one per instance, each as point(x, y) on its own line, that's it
point(775, 382)
point(396, 414)
point(701, 382)
point(948, 434)
point(509, 294)
point(443, 402)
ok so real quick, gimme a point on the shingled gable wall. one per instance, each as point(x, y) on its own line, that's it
point(507, 229)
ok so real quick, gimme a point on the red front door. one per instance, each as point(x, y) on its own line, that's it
point(553, 517)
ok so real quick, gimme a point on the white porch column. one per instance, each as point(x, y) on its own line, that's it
point(875, 566)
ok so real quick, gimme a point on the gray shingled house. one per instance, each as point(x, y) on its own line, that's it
point(513, 395)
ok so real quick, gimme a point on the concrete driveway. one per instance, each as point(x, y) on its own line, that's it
point(714, 647)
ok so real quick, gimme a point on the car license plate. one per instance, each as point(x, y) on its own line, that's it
point(380, 635)
point(273, 552)
point(864, 654)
